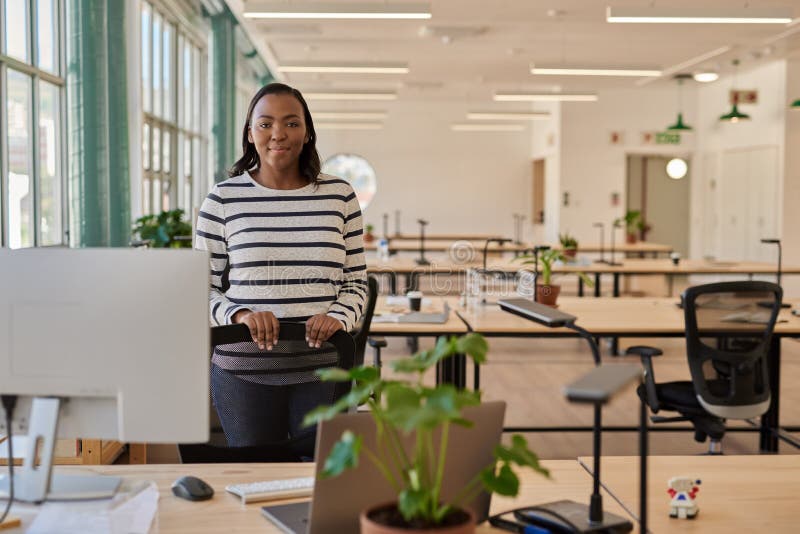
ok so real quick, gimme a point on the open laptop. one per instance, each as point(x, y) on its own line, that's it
point(337, 502)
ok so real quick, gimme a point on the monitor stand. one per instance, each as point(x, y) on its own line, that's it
point(37, 483)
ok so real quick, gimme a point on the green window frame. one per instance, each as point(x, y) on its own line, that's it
point(33, 171)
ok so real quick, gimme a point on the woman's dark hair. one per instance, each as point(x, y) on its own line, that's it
point(309, 158)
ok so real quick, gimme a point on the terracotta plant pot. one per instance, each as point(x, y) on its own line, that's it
point(570, 253)
point(369, 238)
point(370, 523)
point(630, 239)
point(547, 295)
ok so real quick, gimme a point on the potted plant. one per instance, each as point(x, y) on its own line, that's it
point(569, 245)
point(634, 224)
point(165, 230)
point(369, 237)
point(404, 407)
point(546, 291)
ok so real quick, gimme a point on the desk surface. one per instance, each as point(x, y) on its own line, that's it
point(443, 245)
point(626, 316)
point(224, 513)
point(737, 494)
point(454, 324)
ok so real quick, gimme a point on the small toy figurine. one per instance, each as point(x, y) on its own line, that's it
point(683, 491)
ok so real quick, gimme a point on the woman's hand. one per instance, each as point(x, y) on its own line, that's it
point(320, 327)
point(264, 327)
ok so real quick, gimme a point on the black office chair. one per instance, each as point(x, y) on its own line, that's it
point(728, 335)
point(361, 332)
point(291, 366)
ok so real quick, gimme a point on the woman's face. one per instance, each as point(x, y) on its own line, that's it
point(278, 131)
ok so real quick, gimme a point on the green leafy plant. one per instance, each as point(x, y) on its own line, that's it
point(546, 259)
point(402, 407)
point(161, 230)
point(369, 228)
point(633, 221)
point(568, 241)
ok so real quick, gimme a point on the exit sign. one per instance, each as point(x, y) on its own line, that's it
point(748, 96)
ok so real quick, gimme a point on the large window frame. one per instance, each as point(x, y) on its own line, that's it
point(36, 76)
point(174, 139)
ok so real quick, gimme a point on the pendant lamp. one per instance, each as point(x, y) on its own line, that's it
point(679, 125)
point(796, 105)
point(735, 115)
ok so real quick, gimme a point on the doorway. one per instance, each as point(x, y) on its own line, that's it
point(663, 201)
point(537, 205)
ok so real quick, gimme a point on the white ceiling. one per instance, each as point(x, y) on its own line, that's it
point(493, 43)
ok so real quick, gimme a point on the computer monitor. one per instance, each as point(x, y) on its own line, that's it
point(108, 344)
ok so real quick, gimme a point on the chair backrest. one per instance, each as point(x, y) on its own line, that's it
point(361, 332)
point(279, 364)
point(729, 328)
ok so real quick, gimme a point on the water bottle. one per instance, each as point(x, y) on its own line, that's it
point(383, 250)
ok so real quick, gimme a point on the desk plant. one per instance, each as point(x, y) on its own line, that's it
point(164, 230)
point(634, 224)
point(402, 407)
point(546, 291)
point(369, 237)
point(569, 245)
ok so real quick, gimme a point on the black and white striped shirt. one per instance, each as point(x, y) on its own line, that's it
point(295, 253)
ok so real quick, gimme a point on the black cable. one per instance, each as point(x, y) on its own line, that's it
point(9, 403)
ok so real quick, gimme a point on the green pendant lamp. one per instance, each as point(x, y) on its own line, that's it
point(679, 125)
point(796, 105)
point(735, 115)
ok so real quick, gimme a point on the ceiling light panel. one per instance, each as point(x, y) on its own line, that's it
point(349, 95)
point(565, 71)
point(472, 127)
point(345, 68)
point(337, 10)
point(508, 116)
point(349, 115)
point(348, 126)
point(545, 97)
point(667, 15)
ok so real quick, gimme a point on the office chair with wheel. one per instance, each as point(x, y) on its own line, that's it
point(728, 336)
point(361, 332)
point(291, 362)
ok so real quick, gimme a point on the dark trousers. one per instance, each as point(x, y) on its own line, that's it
point(256, 414)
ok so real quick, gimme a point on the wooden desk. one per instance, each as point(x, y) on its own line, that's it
point(453, 326)
point(737, 494)
point(225, 513)
point(408, 244)
point(633, 317)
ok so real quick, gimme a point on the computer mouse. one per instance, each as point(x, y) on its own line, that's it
point(192, 489)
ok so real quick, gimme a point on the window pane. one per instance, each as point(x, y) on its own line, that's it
point(195, 122)
point(186, 93)
point(169, 89)
point(165, 189)
point(146, 145)
point(17, 29)
point(187, 157)
point(156, 152)
point(166, 161)
point(146, 196)
point(157, 38)
point(20, 148)
point(156, 195)
point(49, 166)
point(147, 70)
point(47, 35)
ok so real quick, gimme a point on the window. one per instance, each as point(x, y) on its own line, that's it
point(355, 170)
point(173, 89)
point(32, 177)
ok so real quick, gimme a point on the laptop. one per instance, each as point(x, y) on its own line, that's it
point(337, 502)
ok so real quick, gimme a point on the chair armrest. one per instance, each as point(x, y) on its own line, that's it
point(377, 341)
point(646, 354)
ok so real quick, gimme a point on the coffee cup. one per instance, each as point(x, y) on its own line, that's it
point(675, 257)
point(414, 300)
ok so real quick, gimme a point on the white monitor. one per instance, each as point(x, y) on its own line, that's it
point(119, 337)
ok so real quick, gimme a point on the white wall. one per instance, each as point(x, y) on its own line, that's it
point(459, 181)
point(592, 168)
point(546, 144)
point(791, 183)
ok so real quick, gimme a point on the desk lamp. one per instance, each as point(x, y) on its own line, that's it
point(386, 225)
point(518, 218)
point(602, 231)
point(614, 226)
point(780, 268)
point(397, 222)
point(536, 250)
point(595, 387)
point(421, 260)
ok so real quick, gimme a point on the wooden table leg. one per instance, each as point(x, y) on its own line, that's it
point(137, 453)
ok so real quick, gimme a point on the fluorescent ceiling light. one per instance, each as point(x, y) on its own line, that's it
point(349, 95)
point(348, 126)
point(545, 97)
point(352, 115)
point(664, 15)
point(706, 76)
point(594, 72)
point(508, 116)
point(348, 10)
point(487, 127)
point(347, 68)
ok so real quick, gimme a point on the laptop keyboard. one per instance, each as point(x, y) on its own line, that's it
point(273, 490)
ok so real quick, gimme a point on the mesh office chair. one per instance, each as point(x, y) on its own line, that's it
point(289, 362)
point(361, 331)
point(729, 328)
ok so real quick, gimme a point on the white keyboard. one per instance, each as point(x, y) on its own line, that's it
point(273, 490)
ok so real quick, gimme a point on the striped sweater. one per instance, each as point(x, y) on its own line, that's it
point(296, 253)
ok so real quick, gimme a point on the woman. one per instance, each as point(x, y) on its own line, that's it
point(286, 244)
